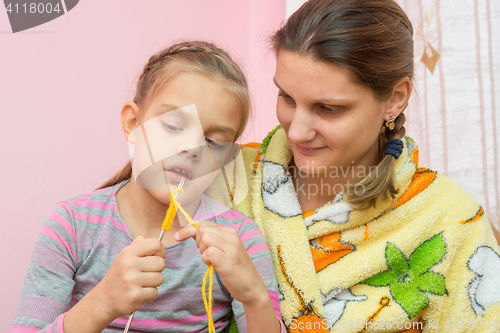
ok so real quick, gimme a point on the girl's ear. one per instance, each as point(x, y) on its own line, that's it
point(129, 120)
point(399, 98)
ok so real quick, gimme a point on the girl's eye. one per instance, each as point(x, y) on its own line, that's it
point(171, 127)
point(213, 144)
point(287, 98)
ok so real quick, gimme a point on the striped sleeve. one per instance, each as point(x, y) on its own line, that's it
point(256, 246)
point(48, 283)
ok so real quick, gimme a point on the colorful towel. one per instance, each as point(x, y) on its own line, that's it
point(425, 261)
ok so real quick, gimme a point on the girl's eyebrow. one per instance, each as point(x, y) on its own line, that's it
point(178, 110)
point(225, 129)
point(164, 108)
point(167, 107)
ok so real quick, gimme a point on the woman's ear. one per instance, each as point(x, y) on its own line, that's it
point(399, 98)
point(129, 120)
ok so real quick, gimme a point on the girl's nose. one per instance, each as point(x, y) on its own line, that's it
point(191, 147)
point(192, 153)
point(301, 126)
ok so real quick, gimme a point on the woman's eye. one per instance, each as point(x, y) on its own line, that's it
point(213, 144)
point(330, 110)
point(171, 127)
point(287, 98)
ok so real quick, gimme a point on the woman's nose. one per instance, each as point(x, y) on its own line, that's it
point(301, 126)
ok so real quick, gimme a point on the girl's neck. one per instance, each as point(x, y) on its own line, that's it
point(144, 214)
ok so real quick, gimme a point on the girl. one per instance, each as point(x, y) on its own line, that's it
point(363, 238)
point(98, 257)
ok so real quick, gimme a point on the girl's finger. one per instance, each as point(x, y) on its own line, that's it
point(212, 238)
point(205, 223)
point(149, 294)
point(212, 256)
point(224, 238)
point(151, 264)
point(151, 280)
point(204, 229)
point(149, 247)
point(185, 233)
point(190, 230)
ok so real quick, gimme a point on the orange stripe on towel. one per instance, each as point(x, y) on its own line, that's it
point(422, 178)
point(476, 217)
point(254, 145)
point(328, 249)
point(308, 213)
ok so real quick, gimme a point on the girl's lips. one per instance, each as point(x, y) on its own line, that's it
point(307, 151)
point(175, 178)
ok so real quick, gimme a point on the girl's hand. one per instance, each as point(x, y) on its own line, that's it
point(222, 247)
point(132, 278)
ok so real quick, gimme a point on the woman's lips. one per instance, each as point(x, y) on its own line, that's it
point(307, 151)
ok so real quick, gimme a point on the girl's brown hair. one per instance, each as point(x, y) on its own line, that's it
point(196, 57)
point(371, 38)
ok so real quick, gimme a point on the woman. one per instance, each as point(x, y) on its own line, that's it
point(362, 237)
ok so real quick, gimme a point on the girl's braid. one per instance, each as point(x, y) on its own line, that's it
point(219, 56)
point(176, 49)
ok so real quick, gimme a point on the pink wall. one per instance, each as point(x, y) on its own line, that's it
point(62, 85)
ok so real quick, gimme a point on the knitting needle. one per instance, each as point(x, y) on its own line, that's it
point(129, 322)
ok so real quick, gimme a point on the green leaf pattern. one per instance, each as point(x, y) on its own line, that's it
point(409, 279)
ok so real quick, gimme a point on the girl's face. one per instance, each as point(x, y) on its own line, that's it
point(329, 120)
point(187, 132)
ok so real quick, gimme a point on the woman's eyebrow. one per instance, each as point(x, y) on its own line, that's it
point(327, 101)
point(277, 85)
point(335, 101)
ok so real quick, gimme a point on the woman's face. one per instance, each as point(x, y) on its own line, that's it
point(186, 132)
point(329, 120)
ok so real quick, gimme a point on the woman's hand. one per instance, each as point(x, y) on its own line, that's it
point(222, 247)
point(133, 277)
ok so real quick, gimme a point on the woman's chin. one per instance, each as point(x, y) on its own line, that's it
point(312, 167)
point(307, 164)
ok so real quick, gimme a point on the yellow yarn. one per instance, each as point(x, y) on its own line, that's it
point(167, 224)
point(208, 304)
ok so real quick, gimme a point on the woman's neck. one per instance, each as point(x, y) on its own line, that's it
point(316, 190)
point(144, 214)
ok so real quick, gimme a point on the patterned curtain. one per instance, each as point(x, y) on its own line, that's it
point(454, 113)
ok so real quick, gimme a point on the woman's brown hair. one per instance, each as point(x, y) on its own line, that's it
point(196, 57)
point(371, 38)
